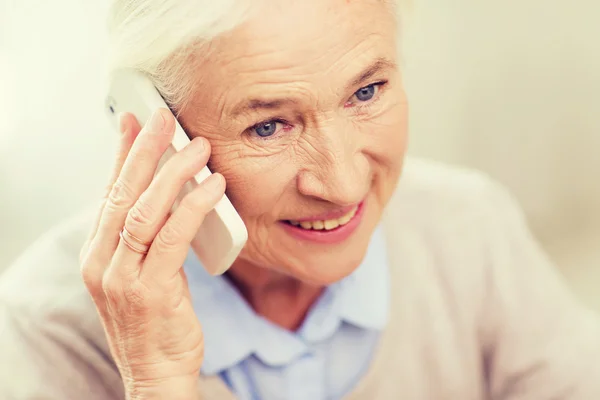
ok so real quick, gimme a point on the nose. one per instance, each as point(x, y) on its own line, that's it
point(339, 172)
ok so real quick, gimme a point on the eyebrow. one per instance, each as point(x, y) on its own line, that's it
point(257, 104)
point(380, 64)
point(262, 104)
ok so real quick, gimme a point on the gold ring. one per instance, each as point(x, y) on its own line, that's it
point(140, 247)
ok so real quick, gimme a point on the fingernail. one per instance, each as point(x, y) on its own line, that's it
point(214, 182)
point(156, 123)
point(199, 144)
point(123, 123)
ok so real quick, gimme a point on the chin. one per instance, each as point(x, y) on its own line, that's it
point(331, 268)
point(324, 265)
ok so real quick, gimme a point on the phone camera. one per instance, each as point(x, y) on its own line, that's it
point(111, 105)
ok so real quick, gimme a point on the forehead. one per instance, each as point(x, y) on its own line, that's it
point(308, 26)
point(298, 41)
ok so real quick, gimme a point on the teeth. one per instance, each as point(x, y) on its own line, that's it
point(326, 224)
point(346, 218)
point(318, 225)
point(331, 224)
point(306, 225)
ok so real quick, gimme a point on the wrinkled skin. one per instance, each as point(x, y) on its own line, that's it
point(329, 150)
point(334, 134)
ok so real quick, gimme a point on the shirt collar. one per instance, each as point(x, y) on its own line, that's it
point(364, 294)
point(233, 332)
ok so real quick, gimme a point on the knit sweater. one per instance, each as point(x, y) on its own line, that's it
point(477, 310)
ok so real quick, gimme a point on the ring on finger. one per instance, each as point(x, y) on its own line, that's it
point(134, 243)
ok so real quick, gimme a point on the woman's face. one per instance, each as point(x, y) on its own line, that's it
point(307, 117)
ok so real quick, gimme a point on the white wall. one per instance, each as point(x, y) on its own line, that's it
point(511, 87)
point(54, 139)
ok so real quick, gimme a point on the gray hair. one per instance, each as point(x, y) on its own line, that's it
point(158, 37)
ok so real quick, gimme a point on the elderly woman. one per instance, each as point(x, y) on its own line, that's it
point(304, 117)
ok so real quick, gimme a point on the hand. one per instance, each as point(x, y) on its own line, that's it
point(142, 296)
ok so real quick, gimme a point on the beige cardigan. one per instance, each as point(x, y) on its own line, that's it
point(477, 310)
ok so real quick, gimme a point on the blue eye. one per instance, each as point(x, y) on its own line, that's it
point(366, 93)
point(266, 129)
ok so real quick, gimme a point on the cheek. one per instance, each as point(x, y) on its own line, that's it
point(255, 185)
point(387, 135)
point(386, 148)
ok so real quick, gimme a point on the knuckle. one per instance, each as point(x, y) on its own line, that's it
point(137, 296)
point(169, 237)
point(107, 189)
point(112, 288)
point(125, 298)
point(121, 194)
point(141, 214)
point(135, 300)
point(91, 278)
point(122, 292)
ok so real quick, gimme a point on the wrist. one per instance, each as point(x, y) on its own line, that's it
point(177, 388)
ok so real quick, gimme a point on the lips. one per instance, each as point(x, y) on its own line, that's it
point(327, 230)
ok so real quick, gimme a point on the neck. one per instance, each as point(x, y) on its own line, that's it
point(279, 298)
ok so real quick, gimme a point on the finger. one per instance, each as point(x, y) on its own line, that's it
point(170, 246)
point(148, 214)
point(136, 174)
point(129, 128)
point(91, 269)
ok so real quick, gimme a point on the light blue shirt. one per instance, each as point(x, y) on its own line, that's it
point(324, 359)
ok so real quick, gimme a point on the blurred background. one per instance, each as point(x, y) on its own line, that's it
point(511, 88)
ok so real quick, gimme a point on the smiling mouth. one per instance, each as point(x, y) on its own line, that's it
point(327, 224)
